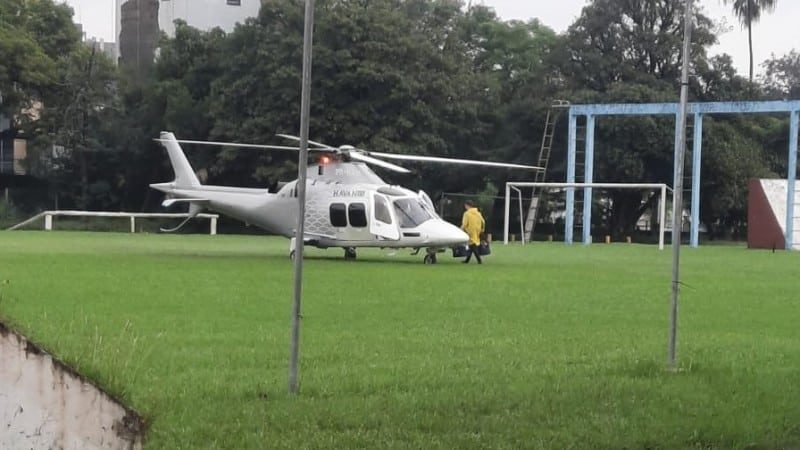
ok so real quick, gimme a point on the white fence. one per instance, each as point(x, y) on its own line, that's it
point(49, 215)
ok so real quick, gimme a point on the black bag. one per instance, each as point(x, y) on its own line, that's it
point(484, 248)
point(459, 251)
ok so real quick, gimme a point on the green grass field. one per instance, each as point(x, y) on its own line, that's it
point(544, 346)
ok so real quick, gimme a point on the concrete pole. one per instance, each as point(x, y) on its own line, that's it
point(794, 118)
point(570, 207)
point(302, 168)
point(588, 176)
point(697, 151)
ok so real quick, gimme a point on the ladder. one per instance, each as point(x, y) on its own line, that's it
point(544, 158)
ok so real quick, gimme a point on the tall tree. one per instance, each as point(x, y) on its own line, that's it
point(782, 75)
point(388, 74)
point(33, 36)
point(749, 12)
point(632, 41)
point(629, 51)
point(54, 88)
point(70, 118)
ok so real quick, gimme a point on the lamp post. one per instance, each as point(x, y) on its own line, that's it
point(677, 192)
point(305, 108)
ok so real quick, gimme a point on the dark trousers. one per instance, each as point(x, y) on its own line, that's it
point(473, 250)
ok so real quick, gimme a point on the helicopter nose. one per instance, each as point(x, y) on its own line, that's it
point(446, 234)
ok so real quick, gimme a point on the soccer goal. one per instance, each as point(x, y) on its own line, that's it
point(587, 193)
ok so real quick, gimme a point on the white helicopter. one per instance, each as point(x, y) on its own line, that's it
point(347, 204)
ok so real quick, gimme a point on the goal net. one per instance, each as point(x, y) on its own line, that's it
point(532, 211)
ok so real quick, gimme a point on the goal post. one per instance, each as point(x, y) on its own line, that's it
point(587, 187)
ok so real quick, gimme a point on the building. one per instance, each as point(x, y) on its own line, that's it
point(139, 22)
point(101, 46)
point(12, 150)
point(137, 34)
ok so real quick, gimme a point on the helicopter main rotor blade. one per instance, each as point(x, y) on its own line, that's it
point(469, 162)
point(318, 144)
point(370, 160)
point(231, 144)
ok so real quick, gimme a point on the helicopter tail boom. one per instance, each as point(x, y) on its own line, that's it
point(184, 174)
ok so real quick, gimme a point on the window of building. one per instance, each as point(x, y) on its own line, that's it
point(235, 2)
point(338, 213)
point(357, 213)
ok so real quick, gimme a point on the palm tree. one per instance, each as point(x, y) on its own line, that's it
point(749, 11)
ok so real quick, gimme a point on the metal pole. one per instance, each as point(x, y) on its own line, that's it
point(305, 108)
point(521, 219)
point(677, 192)
point(662, 217)
point(506, 215)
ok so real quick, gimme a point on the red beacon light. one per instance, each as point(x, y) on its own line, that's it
point(325, 159)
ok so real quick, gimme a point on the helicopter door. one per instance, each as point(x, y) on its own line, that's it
point(383, 223)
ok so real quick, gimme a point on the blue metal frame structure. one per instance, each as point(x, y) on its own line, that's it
point(699, 110)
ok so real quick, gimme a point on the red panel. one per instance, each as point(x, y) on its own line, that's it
point(763, 230)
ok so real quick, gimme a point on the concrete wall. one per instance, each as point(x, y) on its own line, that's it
point(46, 405)
point(763, 227)
point(766, 214)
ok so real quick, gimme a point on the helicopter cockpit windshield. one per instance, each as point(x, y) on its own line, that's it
point(410, 212)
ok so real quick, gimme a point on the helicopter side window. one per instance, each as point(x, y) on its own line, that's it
point(338, 212)
point(357, 213)
point(382, 210)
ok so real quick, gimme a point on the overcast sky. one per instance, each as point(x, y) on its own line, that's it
point(777, 33)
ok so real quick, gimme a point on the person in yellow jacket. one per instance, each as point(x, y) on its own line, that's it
point(473, 224)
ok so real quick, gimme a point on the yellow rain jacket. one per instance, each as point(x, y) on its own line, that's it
point(473, 224)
